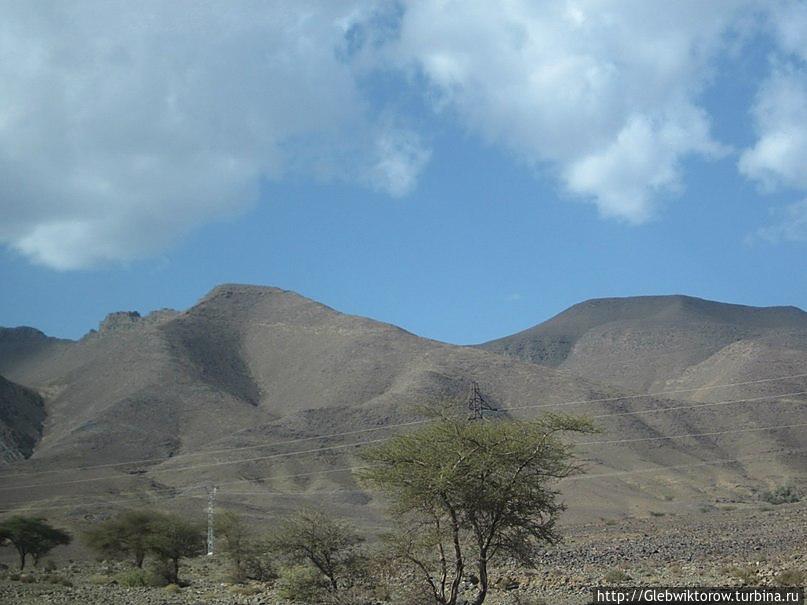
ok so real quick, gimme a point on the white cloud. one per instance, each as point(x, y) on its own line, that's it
point(604, 93)
point(123, 125)
point(790, 227)
point(779, 156)
point(401, 156)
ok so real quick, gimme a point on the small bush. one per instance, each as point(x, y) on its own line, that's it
point(172, 588)
point(132, 578)
point(655, 513)
point(301, 584)
point(791, 577)
point(56, 579)
point(99, 579)
point(744, 573)
point(616, 576)
point(784, 494)
point(49, 565)
point(258, 566)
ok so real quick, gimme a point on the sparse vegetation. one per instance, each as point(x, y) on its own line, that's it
point(126, 535)
point(32, 536)
point(746, 574)
point(328, 547)
point(172, 538)
point(238, 542)
point(783, 494)
point(791, 577)
point(465, 491)
point(301, 584)
point(615, 576)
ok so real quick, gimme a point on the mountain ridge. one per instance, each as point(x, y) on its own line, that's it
point(255, 367)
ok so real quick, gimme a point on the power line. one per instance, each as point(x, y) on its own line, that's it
point(360, 443)
point(204, 465)
point(573, 478)
point(396, 425)
point(352, 468)
point(679, 466)
point(700, 405)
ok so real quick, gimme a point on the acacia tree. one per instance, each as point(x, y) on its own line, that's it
point(242, 547)
point(314, 538)
point(171, 539)
point(468, 492)
point(31, 536)
point(123, 535)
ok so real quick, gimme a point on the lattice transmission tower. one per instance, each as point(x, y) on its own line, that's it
point(478, 405)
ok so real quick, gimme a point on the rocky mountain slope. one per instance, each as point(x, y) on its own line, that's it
point(22, 413)
point(267, 394)
point(650, 343)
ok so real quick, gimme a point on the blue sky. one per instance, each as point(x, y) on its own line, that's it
point(459, 170)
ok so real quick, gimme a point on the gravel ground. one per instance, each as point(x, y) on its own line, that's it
point(720, 548)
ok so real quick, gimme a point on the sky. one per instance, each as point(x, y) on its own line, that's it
point(463, 169)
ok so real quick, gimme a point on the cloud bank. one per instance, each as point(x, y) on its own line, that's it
point(125, 125)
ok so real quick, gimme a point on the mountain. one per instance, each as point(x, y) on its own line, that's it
point(22, 413)
point(653, 342)
point(267, 395)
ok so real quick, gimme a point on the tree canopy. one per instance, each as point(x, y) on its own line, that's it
point(31, 536)
point(329, 545)
point(171, 539)
point(467, 492)
point(126, 534)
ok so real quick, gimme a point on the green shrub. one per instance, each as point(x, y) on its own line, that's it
point(301, 584)
point(132, 578)
point(616, 576)
point(791, 577)
point(172, 588)
point(784, 494)
point(49, 565)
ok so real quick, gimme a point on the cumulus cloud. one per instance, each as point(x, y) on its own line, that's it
point(779, 156)
point(603, 93)
point(123, 125)
point(790, 226)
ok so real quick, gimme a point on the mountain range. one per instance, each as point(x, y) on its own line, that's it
point(267, 394)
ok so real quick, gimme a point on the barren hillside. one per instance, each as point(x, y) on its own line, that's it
point(262, 392)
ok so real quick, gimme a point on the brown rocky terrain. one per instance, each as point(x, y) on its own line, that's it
point(22, 413)
point(737, 544)
point(648, 343)
point(267, 395)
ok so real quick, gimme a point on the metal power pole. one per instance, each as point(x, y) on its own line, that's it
point(477, 404)
point(211, 502)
